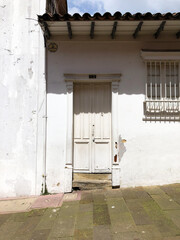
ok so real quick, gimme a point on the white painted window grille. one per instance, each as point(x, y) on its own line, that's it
point(162, 91)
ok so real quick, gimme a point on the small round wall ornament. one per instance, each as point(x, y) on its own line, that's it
point(52, 47)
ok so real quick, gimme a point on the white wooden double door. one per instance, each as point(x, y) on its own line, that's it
point(92, 128)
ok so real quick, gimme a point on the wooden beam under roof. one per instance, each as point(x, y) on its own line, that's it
point(178, 34)
point(92, 30)
point(138, 29)
point(160, 29)
point(114, 30)
point(69, 30)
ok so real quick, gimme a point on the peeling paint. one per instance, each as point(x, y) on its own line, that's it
point(22, 59)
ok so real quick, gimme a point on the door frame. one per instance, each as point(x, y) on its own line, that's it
point(70, 79)
point(92, 169)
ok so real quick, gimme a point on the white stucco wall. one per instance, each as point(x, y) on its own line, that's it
point(151, 154)
point(22, 93)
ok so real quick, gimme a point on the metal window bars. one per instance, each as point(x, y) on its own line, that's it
point(162, 101)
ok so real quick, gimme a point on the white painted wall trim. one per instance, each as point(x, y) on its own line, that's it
point(160, 55)
point(115, 157)
point(69, 138)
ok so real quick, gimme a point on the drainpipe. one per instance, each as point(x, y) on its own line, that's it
point(44, 188)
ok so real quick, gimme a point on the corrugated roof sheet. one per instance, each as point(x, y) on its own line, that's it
point(108, 16)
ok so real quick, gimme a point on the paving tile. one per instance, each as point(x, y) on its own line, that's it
point(48, 219)
point(101, 215)
point(125, 214)
point(102, 232)
point(63, 228)
point(19, 217)
point(127, 236)
point(8, 229)
point(113, 193)
point(99, 197)
point(4, 218)
point(120, 216)
point(122, 223)
point(26, 229)
point(48, 201)
point(135, 193)
point(86, 207)
point(40, 235)
point(173, 191)
point(84, 220)
point(154, 190)
point(65, 222)
point(86, 197)
point(159, 219)
point(138, 213)
point(59, 238)
point(172, 238)
point(18, 205)
point(69, 209)
point(174, 215)
point(149, 232)
point(117, 206)
point(83, 234)
point(165, 202)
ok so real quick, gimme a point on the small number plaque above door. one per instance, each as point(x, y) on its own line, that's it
point(92, 76)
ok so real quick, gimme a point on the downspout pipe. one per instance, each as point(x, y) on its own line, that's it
point(44, 187)
point(46, 34)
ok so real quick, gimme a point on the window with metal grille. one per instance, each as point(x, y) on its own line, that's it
point(162, 91)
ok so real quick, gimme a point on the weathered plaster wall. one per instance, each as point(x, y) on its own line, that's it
point(151, 153)
point(21, 97)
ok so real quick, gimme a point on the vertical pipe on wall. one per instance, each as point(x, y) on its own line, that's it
point(165, 79)
point(44, 187)
point(170, 81)
point(151, 92)
point(174, 81)
point(41, 113)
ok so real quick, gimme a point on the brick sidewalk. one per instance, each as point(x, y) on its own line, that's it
point(149, 213)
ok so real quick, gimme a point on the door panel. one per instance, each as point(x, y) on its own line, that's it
point(92, 128)
point(102, 156)
point(81, 156)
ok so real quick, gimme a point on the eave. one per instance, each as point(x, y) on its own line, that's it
point(110, 27)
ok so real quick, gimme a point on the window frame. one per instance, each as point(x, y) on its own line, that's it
point(160, 104)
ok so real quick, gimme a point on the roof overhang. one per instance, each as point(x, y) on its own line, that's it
point(110, 27)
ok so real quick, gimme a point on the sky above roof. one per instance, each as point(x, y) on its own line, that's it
point(132, 6)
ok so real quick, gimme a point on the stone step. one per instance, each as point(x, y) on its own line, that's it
point(91, 176)
point(92, 185)
point(89, 181)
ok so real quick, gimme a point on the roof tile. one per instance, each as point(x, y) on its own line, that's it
point(108, 16)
